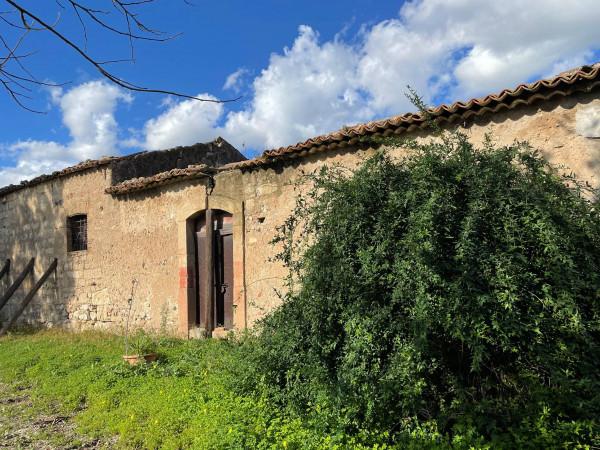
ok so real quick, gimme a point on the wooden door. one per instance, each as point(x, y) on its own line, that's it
point(226, 288)
point(222, 270)
point(201, 268)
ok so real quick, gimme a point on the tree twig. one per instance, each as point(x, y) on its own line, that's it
point(30, 21)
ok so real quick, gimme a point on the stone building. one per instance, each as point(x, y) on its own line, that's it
point(130, 236)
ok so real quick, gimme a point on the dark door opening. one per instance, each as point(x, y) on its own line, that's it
point(222, 269)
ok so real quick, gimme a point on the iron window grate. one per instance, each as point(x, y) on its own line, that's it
point(77, 229)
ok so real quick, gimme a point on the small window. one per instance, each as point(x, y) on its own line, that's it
point(77, 233)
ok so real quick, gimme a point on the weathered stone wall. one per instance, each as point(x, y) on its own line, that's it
point(147, 236)
point(566, 131)
point(128, 239)
point(146, 164)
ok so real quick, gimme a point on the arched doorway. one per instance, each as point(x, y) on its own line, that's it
point(214, 267)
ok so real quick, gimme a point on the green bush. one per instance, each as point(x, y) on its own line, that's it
point(457, 287)
point(141, 343)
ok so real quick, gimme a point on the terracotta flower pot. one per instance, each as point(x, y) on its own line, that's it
point(137, 359)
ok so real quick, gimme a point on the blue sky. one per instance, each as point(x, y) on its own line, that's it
point(303, 68)
point(218, 38)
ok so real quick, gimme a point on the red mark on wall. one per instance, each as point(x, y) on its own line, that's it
point(183, 277)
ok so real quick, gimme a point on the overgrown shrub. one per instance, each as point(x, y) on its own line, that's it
point(458, 287)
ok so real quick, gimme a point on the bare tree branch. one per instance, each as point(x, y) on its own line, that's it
point(27, 21)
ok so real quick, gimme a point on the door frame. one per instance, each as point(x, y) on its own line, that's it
point(186, 215)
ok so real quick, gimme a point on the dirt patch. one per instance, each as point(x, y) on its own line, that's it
point(22, 427)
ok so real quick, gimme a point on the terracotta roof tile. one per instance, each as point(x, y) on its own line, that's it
point(581, 79)
point(80, 167)
point(160, 179)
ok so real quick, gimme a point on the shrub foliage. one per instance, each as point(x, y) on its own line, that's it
point(458, 286)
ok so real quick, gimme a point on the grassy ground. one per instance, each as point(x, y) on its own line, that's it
point(61, 390)
point(22, 426)
point(66, 390)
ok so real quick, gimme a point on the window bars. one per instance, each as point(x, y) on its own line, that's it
point(77, 233)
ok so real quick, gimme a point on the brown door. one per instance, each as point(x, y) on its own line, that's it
point(201, 268)
point(222, 270)
point(224, 280)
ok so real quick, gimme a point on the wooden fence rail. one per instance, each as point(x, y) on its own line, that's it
point(13, 287)
point(29, 297)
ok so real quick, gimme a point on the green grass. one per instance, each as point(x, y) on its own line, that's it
point(185, 400)
point(188, 399)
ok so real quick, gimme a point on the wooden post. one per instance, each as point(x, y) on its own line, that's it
point(13, 287)
point(28, 297)
point(243, 236)
point(209, 287)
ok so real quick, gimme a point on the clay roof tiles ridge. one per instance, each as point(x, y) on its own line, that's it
point(581, 79)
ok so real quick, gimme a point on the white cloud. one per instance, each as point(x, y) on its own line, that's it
point(235, 80)
point(34, 158)
point(446, 50)
point(507, 42)
point(183, 123)
point(306, 90)
point(393, 56)
point(55, 92)
point(88, 113)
